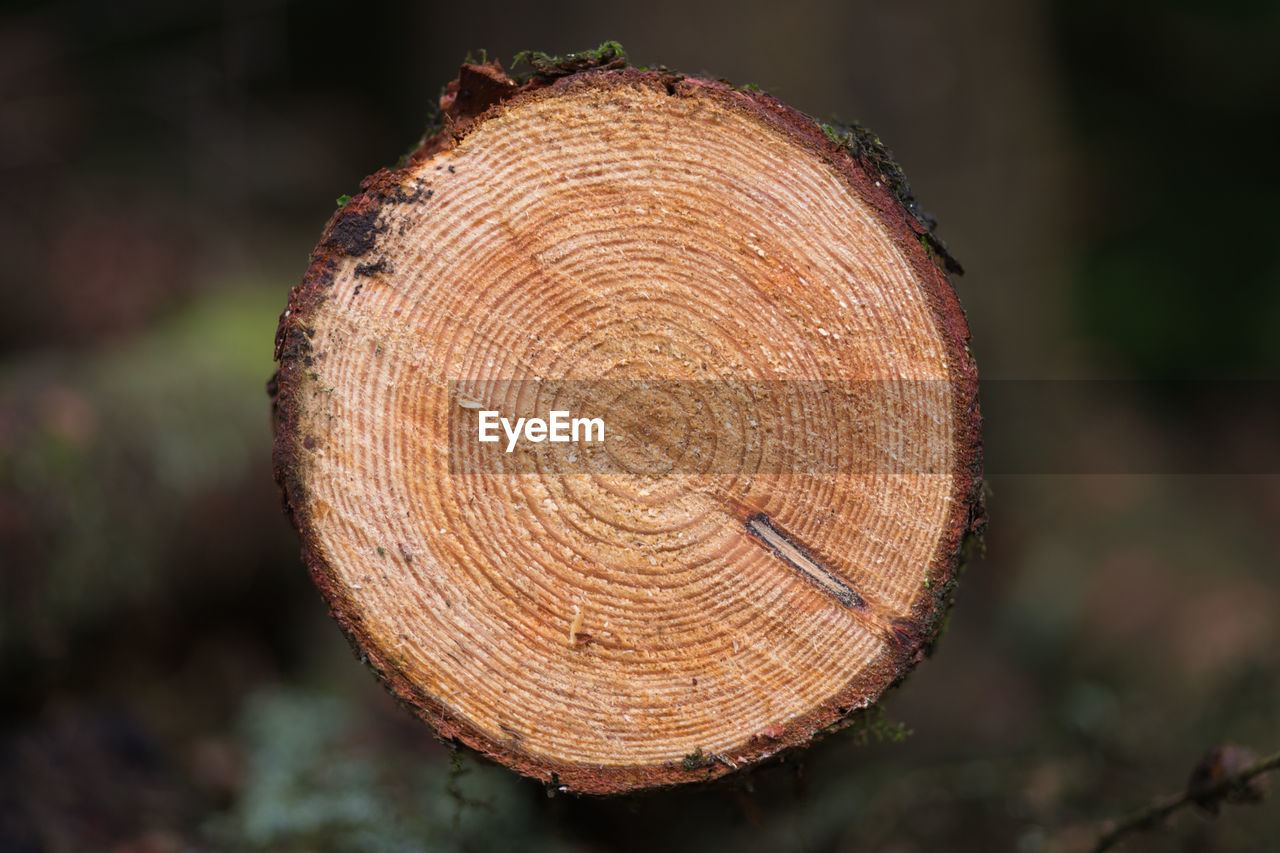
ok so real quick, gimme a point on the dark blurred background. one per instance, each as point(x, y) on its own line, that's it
point(169, 679)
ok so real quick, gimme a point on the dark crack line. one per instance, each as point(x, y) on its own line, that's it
point(790, 552)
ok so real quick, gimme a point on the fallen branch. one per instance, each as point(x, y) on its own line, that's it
point(1209, 796)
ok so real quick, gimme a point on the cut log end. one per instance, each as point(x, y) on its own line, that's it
point(764, 539)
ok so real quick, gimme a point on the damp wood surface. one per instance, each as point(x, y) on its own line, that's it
point(767, 537)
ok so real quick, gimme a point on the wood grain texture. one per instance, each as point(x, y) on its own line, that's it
point(769, 537)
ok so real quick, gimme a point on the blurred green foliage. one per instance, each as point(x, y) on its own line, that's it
point(1177, 106)
point(312, 785)
point(109, 450)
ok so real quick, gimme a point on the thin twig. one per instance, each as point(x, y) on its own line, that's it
point(1153, 814)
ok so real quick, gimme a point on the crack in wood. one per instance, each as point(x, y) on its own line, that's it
point(792, 553)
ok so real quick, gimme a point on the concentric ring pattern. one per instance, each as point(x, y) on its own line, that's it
point(728, 559)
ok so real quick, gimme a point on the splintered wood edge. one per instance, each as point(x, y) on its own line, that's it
point(351, 233)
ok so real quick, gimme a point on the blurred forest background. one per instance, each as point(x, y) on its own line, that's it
point(1107, 173)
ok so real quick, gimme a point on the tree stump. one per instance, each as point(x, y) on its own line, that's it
point(767, 535)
